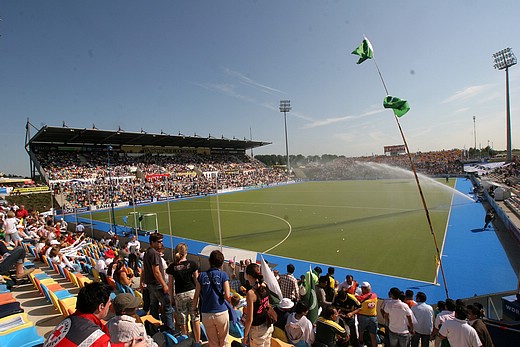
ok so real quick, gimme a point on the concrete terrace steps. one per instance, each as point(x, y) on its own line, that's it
point(39, 310)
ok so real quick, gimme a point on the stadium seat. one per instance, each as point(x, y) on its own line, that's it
point(149, 318)
point(279, 343)
point(280, 334)
point(9, 309)
point(27, 337)
point(67, 306)
point(14, 322)
point(172, 340)
point(6, 298)
point(121, 288)
point(95, 273)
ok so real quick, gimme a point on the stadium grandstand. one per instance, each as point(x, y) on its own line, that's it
point(91, 169)
point(81, 166)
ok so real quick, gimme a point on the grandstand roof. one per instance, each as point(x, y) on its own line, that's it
point(77, 136)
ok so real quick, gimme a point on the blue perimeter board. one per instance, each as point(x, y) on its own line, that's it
point(474, 260)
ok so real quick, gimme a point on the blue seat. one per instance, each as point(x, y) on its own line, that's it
point(50, 263)
point(203, 334)
point(28, 264)
point(121, 288)
point(27, 337)
point(60, 294)
point(41, 275)
point(173, 340)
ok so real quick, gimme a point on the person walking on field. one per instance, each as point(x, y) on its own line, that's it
point(490, 217)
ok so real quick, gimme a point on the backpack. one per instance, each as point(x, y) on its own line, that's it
point(294, 332)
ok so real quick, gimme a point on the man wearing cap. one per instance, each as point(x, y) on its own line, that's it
point(152, 277)
point(123, 327)
point(85, 326)
point(283, 311)
point(367, 314)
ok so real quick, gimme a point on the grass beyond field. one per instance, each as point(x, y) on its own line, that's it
point(377, 226)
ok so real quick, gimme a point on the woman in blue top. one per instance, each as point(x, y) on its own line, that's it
point(212, 288)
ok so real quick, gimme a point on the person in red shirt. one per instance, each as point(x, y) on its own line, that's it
point(85, 326)
point(21, 213)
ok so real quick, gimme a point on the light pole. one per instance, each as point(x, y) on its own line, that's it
point(110, 191)
point(503, 60)
point(475, 134)
point(285, 106)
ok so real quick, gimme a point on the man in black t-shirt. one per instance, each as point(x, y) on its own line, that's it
point(346, 304)
point(153, 278)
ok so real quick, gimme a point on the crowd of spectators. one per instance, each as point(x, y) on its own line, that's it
point(429, 163)
point(349, 312)
point(84, 179)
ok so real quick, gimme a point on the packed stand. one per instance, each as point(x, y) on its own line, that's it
point(438, 163)
point(84, 179)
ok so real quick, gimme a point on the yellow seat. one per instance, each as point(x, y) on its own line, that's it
point(148, 318)
point(139, 295)
point(67, 306)
point(14, 322)
point(95, 273)
point(280, 334)
point(73, 279)
point(45, 281)
point(44, 259)
point(82, 280)
point(279, 343)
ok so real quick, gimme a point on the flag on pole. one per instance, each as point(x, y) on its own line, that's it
point(400, 106)
point(310, 298)
point(271, 282)
point(365, 51)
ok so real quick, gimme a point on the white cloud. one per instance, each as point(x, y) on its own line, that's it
point(226, 89)
point(328, 121)
point(249, 82)
point(462, 110)
point(467, 93)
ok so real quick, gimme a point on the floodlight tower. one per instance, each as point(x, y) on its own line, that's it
point(285, 106)
point(503, 60)
point(111, 190)
point(475, 134)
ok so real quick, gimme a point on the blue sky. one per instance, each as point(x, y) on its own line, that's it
point(221, 68)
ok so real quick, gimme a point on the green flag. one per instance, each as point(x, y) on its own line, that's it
point(400, 106)
point(364, 51)
point(310, 298)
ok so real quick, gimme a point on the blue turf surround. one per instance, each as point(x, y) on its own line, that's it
point(474, 261)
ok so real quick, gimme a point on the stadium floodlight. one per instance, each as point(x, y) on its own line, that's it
point(285, 106)
point(111, 191)
point(503, 60)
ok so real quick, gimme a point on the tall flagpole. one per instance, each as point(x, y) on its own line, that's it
point(423, 200)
